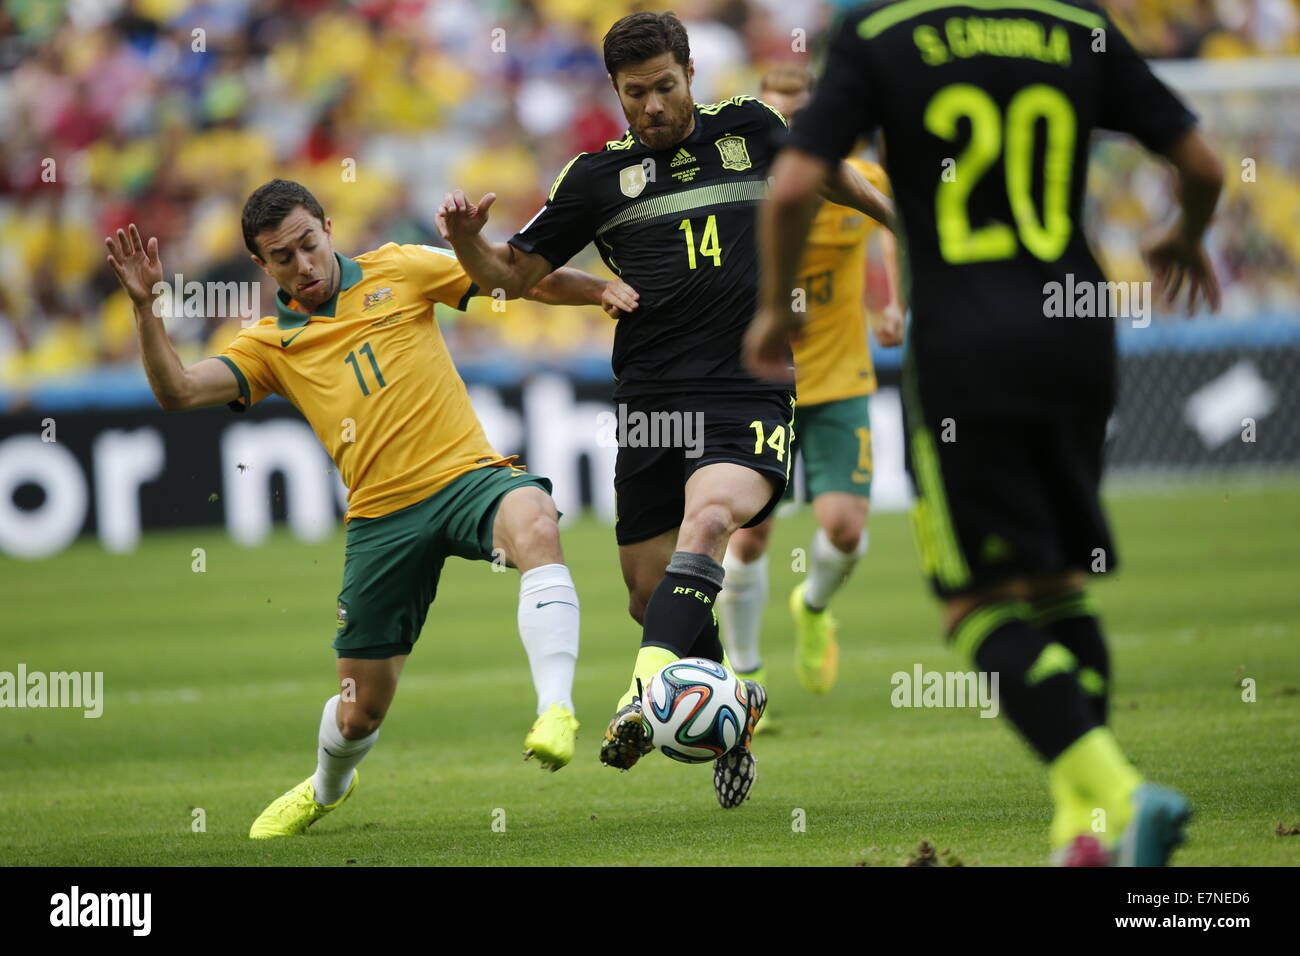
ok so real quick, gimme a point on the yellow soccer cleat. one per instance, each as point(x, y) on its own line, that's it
point(816, 652)
point(293, 812)
point(552, 738)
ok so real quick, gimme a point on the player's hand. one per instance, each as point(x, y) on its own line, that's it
point(889, 332)
point(138, 267)
point(619, 299)
point(1174, 260)
point(766, 350)
point(458, 219)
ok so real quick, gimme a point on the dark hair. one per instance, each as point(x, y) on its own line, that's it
point(642, 36)
point(271, 203)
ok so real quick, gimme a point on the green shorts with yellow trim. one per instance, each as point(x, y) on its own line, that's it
point(392, 563)
point(834, 439)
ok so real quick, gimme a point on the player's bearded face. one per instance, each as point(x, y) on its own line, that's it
point(299, 256)
point(657, 101)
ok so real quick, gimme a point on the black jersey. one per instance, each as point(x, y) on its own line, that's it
point(678, 225)
point(986, 109)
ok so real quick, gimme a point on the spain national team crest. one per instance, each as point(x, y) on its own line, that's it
point(632, 180)
point(734, 154)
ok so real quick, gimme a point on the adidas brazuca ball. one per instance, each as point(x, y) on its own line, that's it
point(695, 709)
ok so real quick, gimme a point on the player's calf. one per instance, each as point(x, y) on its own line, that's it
point(350, 721)
point(341, 746)
point(549, 620)
point(1071, 618)
point(526, 530)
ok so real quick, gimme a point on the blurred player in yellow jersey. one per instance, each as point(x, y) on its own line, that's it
point(355, 348)
point(832, 426)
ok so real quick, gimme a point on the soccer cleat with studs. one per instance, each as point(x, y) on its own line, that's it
point(627, 739)
point(735, 771)
point(294, 811)
point(552, 738)
point(1157, 828)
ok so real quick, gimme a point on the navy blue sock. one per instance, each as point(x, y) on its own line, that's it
point(680, 610)
point(709, 643)
point(1038, 686)
point(1071, 619)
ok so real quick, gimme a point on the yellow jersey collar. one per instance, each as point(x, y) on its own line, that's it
point(287, 315)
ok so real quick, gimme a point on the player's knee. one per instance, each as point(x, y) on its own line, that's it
point(1053, 585)
point(357, 722)
point(706, 528)
point(528, 528)
point(636, 605)
point(844, 533)
point(843, 523)
point(956, 608)
point(748, 547)
point(539, 538)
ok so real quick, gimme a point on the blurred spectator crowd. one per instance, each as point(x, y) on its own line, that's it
point(169, 112)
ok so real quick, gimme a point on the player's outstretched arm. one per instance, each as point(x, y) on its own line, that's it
point(176, 387)
point(491, 265)
point(889, 332)
point(848, 187)
point(783, 223)
point(567, 286)
point(1178, 255)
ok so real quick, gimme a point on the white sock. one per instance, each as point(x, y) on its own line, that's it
point(740, 608)
point(336, 756)
point(548, 626)
point(830, 568)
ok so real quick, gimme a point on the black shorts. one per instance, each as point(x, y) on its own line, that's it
point(663, 439)
point(999, 498)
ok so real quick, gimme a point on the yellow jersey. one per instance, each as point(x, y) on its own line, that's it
point(372, 375)
point(832, 360)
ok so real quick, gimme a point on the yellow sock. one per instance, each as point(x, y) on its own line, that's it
point(649, 661)
point(1098, 772)
point(1073, 816)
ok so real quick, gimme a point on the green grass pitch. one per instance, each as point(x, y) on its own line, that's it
point(214, 683)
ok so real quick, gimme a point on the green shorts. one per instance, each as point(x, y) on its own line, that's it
point(392, 563)
point(834, 440)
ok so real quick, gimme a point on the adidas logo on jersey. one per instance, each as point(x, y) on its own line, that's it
point(682, 158)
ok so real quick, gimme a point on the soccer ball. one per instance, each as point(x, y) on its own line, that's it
point(696, 710)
